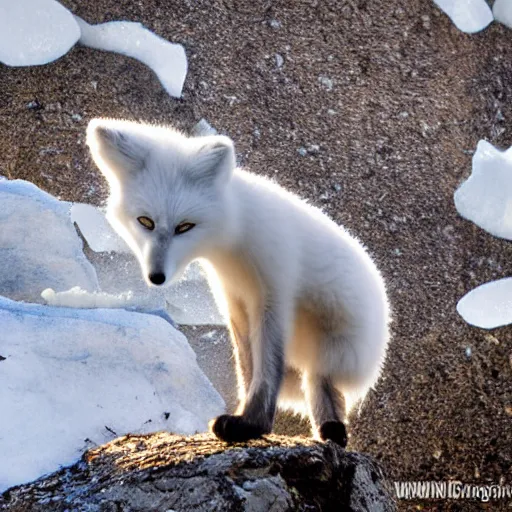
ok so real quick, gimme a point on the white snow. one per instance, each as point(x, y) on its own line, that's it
point(203, 127)
point(39, 246)
point(486, 197)
point(488, 306)
point(34, 32)
point(166, 59)
point(71, 376)
point(467, 15)
point(78, 298)
point(96, 229)
point(502, 10)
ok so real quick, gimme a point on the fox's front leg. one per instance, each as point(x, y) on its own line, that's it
point(257, 417)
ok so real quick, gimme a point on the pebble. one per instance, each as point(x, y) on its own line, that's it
point(326, 82)
point(34, 105)
point(203, 127)
point(279, 60)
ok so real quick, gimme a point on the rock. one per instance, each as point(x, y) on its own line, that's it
point(326, 82)
point(163, 472)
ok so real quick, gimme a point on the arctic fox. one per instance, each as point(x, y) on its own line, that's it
point(305, 304)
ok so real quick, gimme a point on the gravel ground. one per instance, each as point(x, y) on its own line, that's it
point(370, 110)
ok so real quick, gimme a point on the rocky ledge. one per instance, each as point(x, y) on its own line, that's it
point(164, 472)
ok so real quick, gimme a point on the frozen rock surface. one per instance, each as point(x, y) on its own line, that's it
point(502, 10)
point(488, 306)
point(71, 379)
point(485, 198)
point(132, 39)
point(467, 15)
point(39, 247)
point(35, 32)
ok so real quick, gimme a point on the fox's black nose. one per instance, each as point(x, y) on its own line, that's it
point(157, 278)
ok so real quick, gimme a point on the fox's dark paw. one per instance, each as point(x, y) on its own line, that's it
point(235, 429)
point(335, 431)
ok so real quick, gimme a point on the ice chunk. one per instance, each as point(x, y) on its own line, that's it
point(202, 128)
point(467, 15)
point(502, 10)
point(485, 198)
point(489, 305)
point(96, 229)
point(71, 377)
point(188, 302)
point(39, 247)
point(34, 32)
point(166, 59)
point(78, 298)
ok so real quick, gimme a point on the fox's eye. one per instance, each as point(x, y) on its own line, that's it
point(146, 222)
point(183, 228)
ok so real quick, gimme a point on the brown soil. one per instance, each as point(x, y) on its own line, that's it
point(396, 99)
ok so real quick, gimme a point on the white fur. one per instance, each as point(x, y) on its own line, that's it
point(263, 242)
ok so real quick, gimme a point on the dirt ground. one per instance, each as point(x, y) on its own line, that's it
point(369, 109)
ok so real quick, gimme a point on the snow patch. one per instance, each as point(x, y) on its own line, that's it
point(203, 128)
point(74, 377)
point(485, 198)
point(502, 10)
point(167, 60)
point(488, 306)
point(469, 16)
point(35, 32)
point(39, 247)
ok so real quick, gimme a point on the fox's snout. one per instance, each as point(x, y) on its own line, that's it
point(157, 278)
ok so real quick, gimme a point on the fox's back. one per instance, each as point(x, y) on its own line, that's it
point(322, 260)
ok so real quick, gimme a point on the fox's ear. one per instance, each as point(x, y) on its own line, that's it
point(214, 161)
point(116, 150)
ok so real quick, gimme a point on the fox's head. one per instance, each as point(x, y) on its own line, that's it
point(167, 191)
